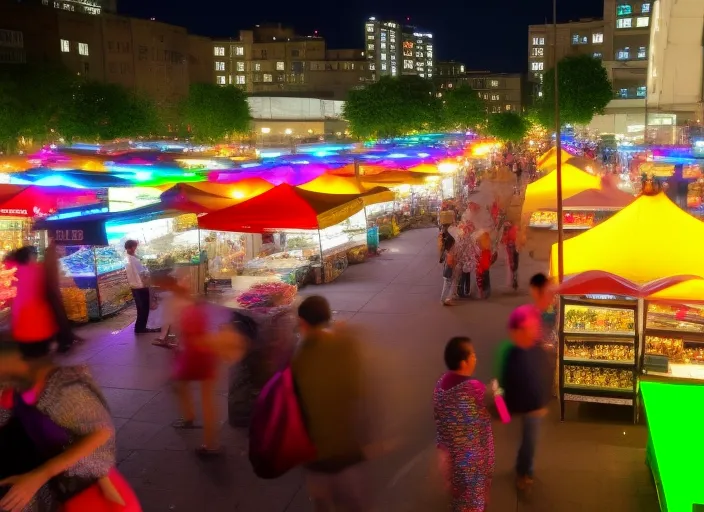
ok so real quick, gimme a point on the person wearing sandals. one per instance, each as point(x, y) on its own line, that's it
point(64, 419)
point(197, 356)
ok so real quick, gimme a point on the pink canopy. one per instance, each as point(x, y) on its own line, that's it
point(293, 174)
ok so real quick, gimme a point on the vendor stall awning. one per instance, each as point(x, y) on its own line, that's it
point(650, 239)
point(542, 194)
point(328, 184)
point(604, 199)
point(285, 207)
point(548, 160)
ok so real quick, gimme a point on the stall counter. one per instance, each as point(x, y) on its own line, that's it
point(674, 414)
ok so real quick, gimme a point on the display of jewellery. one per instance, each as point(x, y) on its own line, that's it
point(588, 319)
point(608, 378)
point(673, 348)
point(602, 351)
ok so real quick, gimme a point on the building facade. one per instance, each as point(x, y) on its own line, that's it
point(150, 57)
point(272, 59)
point(393, 49)
point(501, 92)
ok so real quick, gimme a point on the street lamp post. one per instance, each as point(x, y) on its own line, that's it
point(558, 148)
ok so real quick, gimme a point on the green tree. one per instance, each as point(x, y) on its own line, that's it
point(100, 111)
point(507, 126)
point(584, 92)
point(463, 109)
point(32, 100)
point(212, 112)
point(392, 107)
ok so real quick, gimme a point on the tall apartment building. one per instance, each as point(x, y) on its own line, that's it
point(394, 49)
point(94, 7)
point(271, 59)
point(501, 92)
point(620, 40)
point(154, 58)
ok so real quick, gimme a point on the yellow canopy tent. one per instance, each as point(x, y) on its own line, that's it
point(329, 184)
point(652, 238)
point(548, 160)
point(542, 194)
point(687, 291)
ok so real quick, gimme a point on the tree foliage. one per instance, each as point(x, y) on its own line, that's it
point(213, 112)
point(393, 107)
point(507, 126)
point(463, 109)
point(100, 111)
point(584, 91)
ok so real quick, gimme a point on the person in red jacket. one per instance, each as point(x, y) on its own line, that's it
point(34, 324)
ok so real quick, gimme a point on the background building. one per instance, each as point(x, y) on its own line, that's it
point(393, 49)
point(271, 59)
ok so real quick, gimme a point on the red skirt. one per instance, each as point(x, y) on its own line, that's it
point(93, 499)
point(194, 365)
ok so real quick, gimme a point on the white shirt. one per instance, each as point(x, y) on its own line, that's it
point(134, 269)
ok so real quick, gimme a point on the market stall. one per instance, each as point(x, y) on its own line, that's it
point(287, 215)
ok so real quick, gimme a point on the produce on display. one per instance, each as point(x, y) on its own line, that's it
point(601, 351)
point(597, 320)
point(266, 295)
point(607, 378)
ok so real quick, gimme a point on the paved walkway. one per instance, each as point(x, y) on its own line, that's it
point(582, 465)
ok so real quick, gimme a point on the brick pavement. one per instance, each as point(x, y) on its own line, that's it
point(583, 464)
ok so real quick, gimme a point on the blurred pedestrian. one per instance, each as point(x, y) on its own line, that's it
point(66, 337)
point(198, 352)
point(64, 414)
point(543, 293)
point(138, 279)
point(525, 376)
point(463, 425)
point(327, 373)
point(449, 262)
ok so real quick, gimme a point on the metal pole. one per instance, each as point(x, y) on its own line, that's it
point(558, 147)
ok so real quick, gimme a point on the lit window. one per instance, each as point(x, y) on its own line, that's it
point(65, 46)
point(280, 66)
point(623, 54)
point(370, 37)
point(239, 50)
point(240, 66)
point(257, 66)
point(219, 66)
point(495, 83)
point(372, 66)
point(642, 21)
point(575, 38)
point(393, 57)
point(382, 36)
point(495, 97)
point(597, 38)
point(382, 46)
point(370, 28)
point(268, 77)
point(624, 10)
point(540, 94)
point(642, 52)
point(508, 107)
point(624, 23)
point(220, 80)
point(383, 56)
point(83, 49)
point(597, 55)
point(623, 93)
point(240, 80)
point(640, 91)
point(645, 8)
point(461, 69)
point(383, 66)
point(229, 79)
point(534, 66)
point(429, 63)
point(219, 51)
point(407, 64)
point(370, 46)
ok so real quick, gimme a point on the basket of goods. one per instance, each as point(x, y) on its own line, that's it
point(267, 295)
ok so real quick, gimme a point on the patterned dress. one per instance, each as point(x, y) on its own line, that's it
point(75, 407)
point(464, 432)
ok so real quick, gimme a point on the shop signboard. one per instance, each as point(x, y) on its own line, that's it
point(79, 233)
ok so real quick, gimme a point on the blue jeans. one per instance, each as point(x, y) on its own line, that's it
point(448, 288)
point(530, 428)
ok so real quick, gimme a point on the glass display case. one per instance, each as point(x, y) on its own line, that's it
point(674, 333)
point(93, 282)
point(572, 219)
point(16, 232)
point(598, 351)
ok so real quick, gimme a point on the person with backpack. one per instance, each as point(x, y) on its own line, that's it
point(328, 377)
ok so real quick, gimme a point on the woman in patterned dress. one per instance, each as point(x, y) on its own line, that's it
point(463, 424)
point(63, 414)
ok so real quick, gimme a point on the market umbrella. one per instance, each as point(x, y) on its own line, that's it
point(240, 190)
point(285, 207)
point(189, 199)
point(290, 174)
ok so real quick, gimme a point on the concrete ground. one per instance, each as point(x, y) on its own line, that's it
point(590, 462)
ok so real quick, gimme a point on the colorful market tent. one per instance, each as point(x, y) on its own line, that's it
point(650, 239)
point(291, 174)
point(241, 190)
point(542, 194)
point(186, 198)
point(33, 201)
point(594, 199)
point(285, 207)
point(329, 184)
point(548, 160)
point(14, 164)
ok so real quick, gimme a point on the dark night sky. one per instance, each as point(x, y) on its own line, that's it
point(484, 34)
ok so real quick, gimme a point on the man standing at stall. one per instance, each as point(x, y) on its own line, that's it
point(138, 279)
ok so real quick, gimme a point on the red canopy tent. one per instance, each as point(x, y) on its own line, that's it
point(604, 199)
point(35, 201)
point(286, 207)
